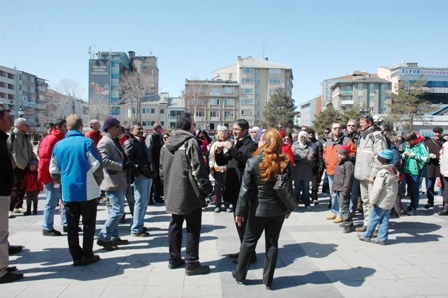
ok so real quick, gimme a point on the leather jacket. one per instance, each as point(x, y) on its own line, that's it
point(257, 197)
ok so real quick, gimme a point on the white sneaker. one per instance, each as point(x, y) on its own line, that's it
point(19, 210)
point(11, 214)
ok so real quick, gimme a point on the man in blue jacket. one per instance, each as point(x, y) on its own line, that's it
point(76, 163)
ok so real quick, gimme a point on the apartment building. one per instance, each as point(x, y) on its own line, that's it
point(308, 111)
point(213, 102)
point(24, 94)
point(365, 91)
point(257, 79)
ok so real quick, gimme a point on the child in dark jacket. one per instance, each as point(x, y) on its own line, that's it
point(342, 185)
point(32, 187)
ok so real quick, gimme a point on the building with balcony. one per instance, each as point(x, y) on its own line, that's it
point(365, 91)
point(436, 79)
point(257, 79)
point(213, 102)
point(23, 94)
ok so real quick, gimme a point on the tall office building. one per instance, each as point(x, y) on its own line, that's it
point(436, 79)
point(257, 80)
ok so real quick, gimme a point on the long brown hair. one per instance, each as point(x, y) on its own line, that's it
point(274, 161)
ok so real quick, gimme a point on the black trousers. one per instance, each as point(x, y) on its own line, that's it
point(194, 221)
point(254, 228)
point(31, 199)
point(18, 191)
point(74, 210)
point(157, 187)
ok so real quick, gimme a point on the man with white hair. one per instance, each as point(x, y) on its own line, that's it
point(95, 133)
point(21, 150)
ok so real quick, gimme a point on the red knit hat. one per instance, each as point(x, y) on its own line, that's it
point(344, 150)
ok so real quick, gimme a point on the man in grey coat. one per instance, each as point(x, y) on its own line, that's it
point(183, 171)
point(115, 164)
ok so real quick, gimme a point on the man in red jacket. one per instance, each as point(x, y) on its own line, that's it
point(52, 190)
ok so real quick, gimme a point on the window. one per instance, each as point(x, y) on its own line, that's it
point(228, 114)
point(162, 123)
point(275, 71)
point(247, 112)
point(248, 81)
point(229, 102)
point(248, 70)
point(229, 90)
point(214, 91)
point(153, 111)
point(360, 86)
point(162, 111)
point(214, 101)
point(214, 113)
point(372, 98)
point(199, 113)
point(248, 90)
point(247, 101)
point(275, 81)
point(360, 98)
point(257, 91)
point(272, 91)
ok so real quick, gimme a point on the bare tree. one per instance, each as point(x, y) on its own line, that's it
point(133, 88)
point(408, 102)
point(195, 94)
point(70, 87)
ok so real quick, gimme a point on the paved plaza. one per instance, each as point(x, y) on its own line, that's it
point(315, 260)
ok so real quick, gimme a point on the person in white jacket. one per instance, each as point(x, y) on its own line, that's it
point(444, 173)
point(382, 198)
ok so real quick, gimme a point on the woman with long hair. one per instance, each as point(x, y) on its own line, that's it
point(257, 198)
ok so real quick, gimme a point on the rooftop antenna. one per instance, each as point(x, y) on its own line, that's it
point(263, 50)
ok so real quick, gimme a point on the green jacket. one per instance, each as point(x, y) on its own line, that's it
point(414, 165)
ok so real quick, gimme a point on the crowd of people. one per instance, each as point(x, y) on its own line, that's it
point(363, 167)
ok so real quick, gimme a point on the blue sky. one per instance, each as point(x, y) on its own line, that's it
point(317, 39)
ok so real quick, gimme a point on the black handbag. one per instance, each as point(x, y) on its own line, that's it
point(284, 192)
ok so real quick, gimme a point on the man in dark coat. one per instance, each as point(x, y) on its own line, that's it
point(185, 178)
point(7, 182)
point(434, 146)
point(155, 142)
point(235, 157)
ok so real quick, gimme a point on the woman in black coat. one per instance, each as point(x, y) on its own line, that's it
point(257, 198)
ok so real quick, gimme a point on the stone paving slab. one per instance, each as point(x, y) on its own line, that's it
point(315, 260)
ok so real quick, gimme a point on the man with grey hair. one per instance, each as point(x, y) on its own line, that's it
point(21, 150)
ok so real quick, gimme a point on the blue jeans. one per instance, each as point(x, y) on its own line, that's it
point(52, 200)
point(356, 191)
point(142, 185)
point(334, 197)
point(381, 217)
point(116, 209)
point(413, 182)
point(304, 187)
point(430, 182)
